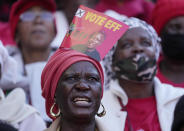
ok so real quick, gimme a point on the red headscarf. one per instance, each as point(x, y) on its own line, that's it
point(61, 60)
point(164, 11)
point(22, 5)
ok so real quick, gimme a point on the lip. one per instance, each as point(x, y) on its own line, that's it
point(92, 44)
point(81, 101)
point(37, 32)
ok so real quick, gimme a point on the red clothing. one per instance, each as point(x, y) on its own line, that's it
point(142, 115)
point(5, 34)
point(164, 11)
point(163, 79)
point(57, 64)
point(132, 8)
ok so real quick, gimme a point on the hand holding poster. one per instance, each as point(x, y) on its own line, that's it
point(93, 33)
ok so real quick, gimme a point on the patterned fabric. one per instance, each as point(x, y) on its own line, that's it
point(132, 23)
point(142, 69)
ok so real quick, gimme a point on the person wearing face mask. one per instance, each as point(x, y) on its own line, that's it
point(168, 20)
point(135, 99)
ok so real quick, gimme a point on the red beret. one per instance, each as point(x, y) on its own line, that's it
point(164, 11)
point(57, 64)
point(22, 5)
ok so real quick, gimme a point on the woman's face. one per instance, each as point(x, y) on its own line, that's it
point(135, 56)
point(38, 32)
point(135, 41)
point(173, 39)
point(95, 40)
point(175, 26)
point(78, 93)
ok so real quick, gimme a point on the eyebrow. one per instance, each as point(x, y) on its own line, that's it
point(78, 73)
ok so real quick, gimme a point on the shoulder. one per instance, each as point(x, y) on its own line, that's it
point(110, 102)
point(33, 123)
point(54, 125)
point(167, 87)
point(12, 50)
point(166, 92)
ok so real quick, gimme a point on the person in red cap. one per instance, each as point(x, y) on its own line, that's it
point(72, 85)
point(33, 28)
point(168, 20)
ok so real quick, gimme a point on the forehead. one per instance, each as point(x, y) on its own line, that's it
point(175, 23)
point(134, 33)
point(36, 8)
point(177, 20)
point(81, 67)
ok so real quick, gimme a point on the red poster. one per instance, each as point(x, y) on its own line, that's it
point(93, 33)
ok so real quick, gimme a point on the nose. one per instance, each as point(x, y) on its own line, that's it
point(38, 20)
point(82, 85)
point(137, 48)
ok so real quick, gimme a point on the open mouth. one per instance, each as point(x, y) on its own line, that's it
point(37, 32)
point(83, 101)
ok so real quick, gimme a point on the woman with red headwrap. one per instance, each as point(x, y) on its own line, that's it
point(72, 85)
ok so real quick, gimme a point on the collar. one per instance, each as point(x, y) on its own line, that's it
point(116, 89)
point(164, 93)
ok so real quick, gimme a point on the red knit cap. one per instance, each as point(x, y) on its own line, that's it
point(164, 11)
point(57, 64)
point(22, 5)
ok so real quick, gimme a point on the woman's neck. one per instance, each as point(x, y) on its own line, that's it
point(172, 65)
point(31, 56)
point(137, 89)
point(76, 125)
point(172, 70)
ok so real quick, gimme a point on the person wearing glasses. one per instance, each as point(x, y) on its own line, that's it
point(33, 28)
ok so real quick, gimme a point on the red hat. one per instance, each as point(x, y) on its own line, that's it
point(57, 64)
point(164, 11)
point(22, 5)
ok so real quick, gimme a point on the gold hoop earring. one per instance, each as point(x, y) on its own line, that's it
point(101, 114)
point(52, 113)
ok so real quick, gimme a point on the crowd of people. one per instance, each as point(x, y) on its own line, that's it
point(138, 86)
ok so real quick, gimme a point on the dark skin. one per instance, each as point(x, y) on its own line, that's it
point(135, 41)
point(34, 37)
point(173, 70)
point(78, 96)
